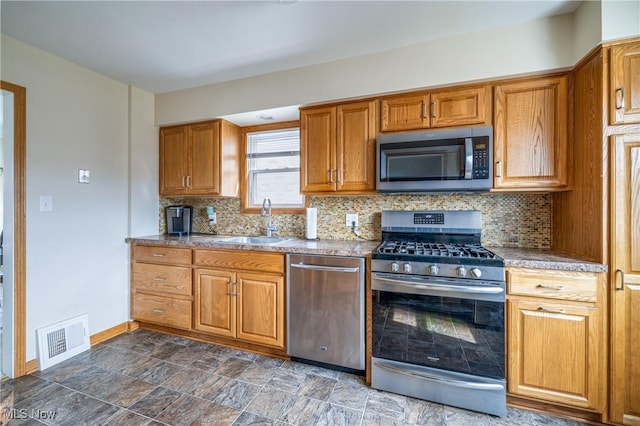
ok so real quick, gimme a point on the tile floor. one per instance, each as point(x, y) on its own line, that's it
point(149, 378)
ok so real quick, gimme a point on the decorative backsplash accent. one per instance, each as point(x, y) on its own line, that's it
point(509, 220)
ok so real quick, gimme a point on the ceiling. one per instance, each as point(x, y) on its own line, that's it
point(162, 46)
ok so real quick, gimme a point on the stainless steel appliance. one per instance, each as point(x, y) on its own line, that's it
point(179, 220)
point(438, 311)
point(436, 160)
point(326, 321)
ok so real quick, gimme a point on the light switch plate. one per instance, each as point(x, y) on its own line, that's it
point(83, 176)
point(46, 203)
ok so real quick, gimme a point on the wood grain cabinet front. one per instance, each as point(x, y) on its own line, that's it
point(337, 148)
point(530, 135)
point(625, 84)
point(244, 301)
point(200, 159)
point(444, 108)
point(556, 347)
point(161, 285)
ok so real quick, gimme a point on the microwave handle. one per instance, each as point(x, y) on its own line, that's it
point(468, 152)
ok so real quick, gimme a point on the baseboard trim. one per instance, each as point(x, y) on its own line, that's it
point(32, 365)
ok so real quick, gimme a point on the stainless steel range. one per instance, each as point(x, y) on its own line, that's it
point(438, 311)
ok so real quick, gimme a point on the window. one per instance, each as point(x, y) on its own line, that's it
point(273, 168)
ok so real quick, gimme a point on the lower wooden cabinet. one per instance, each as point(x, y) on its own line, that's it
point(161, 289)
point(556, 346)
point(234, 303)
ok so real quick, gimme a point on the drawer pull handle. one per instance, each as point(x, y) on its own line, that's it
point(157, 254)
point(552, 311)
point(550, 287)
point(159, 279)
point(158, 311)
point(621, 272)
point(619, 98)
point(498, 168)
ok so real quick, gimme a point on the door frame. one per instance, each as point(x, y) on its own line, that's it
point(19, 224)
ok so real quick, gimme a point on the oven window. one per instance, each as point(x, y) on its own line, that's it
point(461, 335)
point(405, 163)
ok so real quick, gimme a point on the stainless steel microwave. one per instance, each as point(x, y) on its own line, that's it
point(435, 161)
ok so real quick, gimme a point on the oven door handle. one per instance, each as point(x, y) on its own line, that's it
point(457, 383)
point(323, 268)
point(439, 287)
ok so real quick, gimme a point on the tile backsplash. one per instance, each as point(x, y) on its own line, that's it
point(509, 220)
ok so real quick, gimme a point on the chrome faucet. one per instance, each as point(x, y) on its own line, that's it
point(266, 211)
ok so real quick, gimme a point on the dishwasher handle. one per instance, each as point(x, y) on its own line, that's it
point(324, 268)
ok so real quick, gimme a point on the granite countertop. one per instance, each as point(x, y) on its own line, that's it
point(545, 259)
point(294, 245)
point(514, 257)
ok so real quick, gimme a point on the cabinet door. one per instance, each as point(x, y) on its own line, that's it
point(173, 160)
point(461, 107)
point(356, 147)
point(204, 159)
point(317, 150)
point(261, 309)
point(530, 135)
point(404, 113)
point(625, 278)
point(625, 84)
point(553, 352)
point(215, 303)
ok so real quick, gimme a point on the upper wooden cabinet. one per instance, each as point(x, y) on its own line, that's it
point(625, 84)
point(625, 279)
point(530, 135)
point(462, 107)
point(199, 159)
point(337, 148)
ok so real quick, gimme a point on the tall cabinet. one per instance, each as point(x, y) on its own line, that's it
point(600, 219)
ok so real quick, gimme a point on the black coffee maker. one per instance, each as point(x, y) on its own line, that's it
point(179, 220)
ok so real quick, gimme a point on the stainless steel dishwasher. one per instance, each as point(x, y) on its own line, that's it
point(326, 321)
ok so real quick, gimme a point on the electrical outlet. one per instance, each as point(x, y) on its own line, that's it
point(83, 176)
point(351, 218)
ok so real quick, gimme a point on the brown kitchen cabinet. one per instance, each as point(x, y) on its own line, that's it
point(445, 108)
point(530, 135)
point(200, 159)
point(161, 289)
point(625, 279)
point(337, 148)
point(556, 351)
point(625, 84)
point(240, 295)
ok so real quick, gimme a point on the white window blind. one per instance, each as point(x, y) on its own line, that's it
point(273, 159)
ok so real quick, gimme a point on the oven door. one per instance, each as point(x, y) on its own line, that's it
point(440, 323)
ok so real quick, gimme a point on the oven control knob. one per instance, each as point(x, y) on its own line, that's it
point(461, 271)
point(395, 267)
point(433, 269)
point(406, 268)
point(476, 273)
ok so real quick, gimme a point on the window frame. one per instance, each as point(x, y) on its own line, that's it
point(245, 206)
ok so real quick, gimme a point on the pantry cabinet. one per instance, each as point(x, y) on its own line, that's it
point(161, 290)
point(530, 135)
point(445, 108)
point(625, 84)
point(337, 148)
point(625, 278)
point(240, 295)
point(556, 349)
point(200, 159)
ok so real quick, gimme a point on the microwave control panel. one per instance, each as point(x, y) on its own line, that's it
point(480, 160)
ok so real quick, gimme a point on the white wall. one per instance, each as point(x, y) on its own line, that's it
point(534, 46)
point(587, 28)
point(77, 258)
point(620, 19)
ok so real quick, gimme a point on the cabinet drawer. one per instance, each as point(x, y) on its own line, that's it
point(155, 254)
point(161, 310)
point(245, 260)
point(565, 285)
point(161, 278)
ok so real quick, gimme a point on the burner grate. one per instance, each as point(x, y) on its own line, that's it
point(474, 251)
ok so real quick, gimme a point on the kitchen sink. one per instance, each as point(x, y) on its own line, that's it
point(254, 240)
